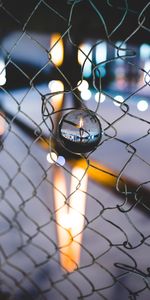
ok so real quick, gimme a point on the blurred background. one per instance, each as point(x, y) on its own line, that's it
point(56, 56)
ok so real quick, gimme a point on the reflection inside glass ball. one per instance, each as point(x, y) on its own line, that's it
point(80, 131)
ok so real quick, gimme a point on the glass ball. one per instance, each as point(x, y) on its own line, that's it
point(80, 131)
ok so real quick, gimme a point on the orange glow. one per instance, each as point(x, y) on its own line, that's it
point(81, 123)
point(77, 210)
point(60, 213)
point(97, 172)
point(70, 221)
point(2, 124)
point(83, 51)
point(56, 49)
point(57, 100)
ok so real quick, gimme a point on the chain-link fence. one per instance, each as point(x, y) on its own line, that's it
point(74, 224)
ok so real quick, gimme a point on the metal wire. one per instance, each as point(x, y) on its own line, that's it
point(115, 248)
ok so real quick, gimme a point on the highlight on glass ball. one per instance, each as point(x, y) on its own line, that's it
point(80, 131)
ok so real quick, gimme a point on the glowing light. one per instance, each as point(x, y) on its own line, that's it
point(70, 221)
point(145, 51)
point(61, 160)
point(101, 52)
point(81, 123)
point(120, 99)
point(86, 95)
point(77, 209)
point(100, 97)
point(57, 49)
point(54, 87)
point(52, 157)
point(101, 71)
point(82, 85)
point(147, 69)
point(83, 52)
point(142, 105)
point(66, 221)
point(120, 52)
point(80, 131)
point(61, 211)
point(2, 72)
point(2, 124)
point(147, 66)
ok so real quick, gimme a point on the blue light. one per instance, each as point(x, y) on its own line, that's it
point(61, 160)
point(102, 71)
point(145, 51)
point(83, 52)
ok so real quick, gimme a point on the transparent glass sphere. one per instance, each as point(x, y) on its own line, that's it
point(80, 131)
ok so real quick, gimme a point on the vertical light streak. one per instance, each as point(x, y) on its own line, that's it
point(70, 223)
point(83, 52)
point(57, 49)
point(2, 72)
point(101, 52)
point(2, 124)
point(77, 210)
point(61, 216)
point(57, 100)
point(54, 87)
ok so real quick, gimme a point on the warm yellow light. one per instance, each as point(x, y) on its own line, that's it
point(84, 55)
point(61, 215)
point(83, 52)
point(70, 218)
point(66, 221)
point(2, 124)
point(54, 87)
point(52, 157)
point(77, 210)
point(81, 123)
point(56, 49)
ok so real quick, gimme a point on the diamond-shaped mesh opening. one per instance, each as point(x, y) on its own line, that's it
point(74, 225)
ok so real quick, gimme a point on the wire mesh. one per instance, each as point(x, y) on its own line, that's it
point(115, 255)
